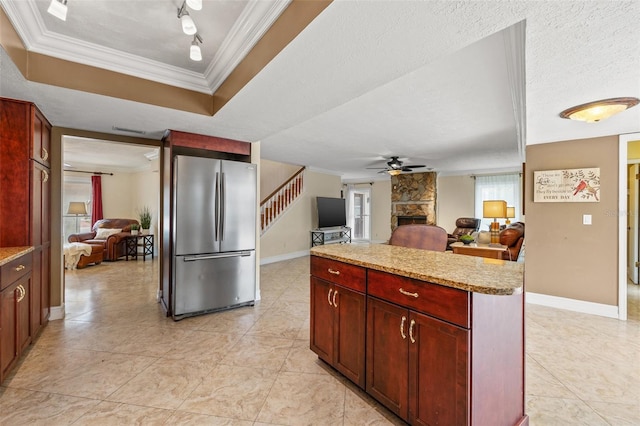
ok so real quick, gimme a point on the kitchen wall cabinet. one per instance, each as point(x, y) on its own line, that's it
point(15, 293)
point(25, 196)
point(338, 317)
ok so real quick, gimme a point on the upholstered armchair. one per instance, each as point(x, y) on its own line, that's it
point(426, 237)
point(512, 237)
point(110, 233)
point(464, 226)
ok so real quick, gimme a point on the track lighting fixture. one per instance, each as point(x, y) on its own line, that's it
point(188, 26)
point(58, 8)
point(195, 4)
point(194, 52)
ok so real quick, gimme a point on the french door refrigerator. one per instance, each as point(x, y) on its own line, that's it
point(214, 265)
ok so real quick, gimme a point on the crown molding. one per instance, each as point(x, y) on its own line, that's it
point(254, 21)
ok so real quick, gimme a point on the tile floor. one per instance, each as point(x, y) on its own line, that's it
point(116, 360)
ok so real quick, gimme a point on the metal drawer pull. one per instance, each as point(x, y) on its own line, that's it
point(44, 153)
point(404, 319)
point(329, 296)
point(406, 293)
point(335, 293)
point(411, 331)
point(45, 176)
point(23, 293)
point(19, 268)
point(334, 272)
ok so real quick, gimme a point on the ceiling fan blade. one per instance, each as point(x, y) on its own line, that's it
point(376, 168)
point(415, 166)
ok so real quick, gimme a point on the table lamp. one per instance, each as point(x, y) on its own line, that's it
point(494, 209)
point(77, 208)
point(511, 213)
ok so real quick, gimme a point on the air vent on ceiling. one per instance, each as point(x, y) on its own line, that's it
point(124, 129)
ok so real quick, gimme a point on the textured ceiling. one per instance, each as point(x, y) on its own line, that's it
point(457, 85)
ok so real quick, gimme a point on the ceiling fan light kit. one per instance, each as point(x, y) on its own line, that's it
point(592, 112)
point(395, 166)
point(58, 8)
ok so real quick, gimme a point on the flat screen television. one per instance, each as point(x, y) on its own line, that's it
point(332, 212)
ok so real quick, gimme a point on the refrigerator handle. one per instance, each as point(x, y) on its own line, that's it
point(217, 256)
point(216, 212)
point(223, 210)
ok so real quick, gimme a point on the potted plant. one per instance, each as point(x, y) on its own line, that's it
point(145, 219)
point(134, 229)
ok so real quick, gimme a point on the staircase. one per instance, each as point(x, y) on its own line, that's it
point(274, 206)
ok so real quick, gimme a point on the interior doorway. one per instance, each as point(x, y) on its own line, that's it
point(359, 212)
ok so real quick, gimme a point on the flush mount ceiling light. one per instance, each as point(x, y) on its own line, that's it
point(58, 8)
point(195, 54)
point(593, 112)
point(188, 26)
point(195, 4)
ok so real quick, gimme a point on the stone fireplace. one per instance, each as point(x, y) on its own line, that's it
point(413, 199)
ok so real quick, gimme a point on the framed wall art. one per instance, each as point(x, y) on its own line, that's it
point(567, 186)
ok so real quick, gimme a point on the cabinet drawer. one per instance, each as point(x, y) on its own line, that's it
point(448, 304)
point(13, 270)
point(350, 276)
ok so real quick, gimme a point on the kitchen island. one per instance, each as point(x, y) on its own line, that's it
point(438, 338)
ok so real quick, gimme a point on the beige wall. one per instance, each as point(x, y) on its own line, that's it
point(564, 257)
point(291, 234)
point(456, 198)
point(273, 174)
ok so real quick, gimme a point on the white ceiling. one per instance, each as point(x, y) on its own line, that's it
point(457, 85)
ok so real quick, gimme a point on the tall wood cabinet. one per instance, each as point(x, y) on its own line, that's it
point(25, 196)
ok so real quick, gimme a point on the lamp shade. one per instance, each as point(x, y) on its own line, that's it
point(511, 212)
point(494, 209)
point(77, 207)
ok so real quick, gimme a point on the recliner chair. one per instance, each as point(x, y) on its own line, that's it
point(464, 226)
point(426, 237)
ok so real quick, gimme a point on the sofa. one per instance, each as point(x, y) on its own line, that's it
point(512, 237)
point(110, 233)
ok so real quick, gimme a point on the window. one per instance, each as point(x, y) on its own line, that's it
point(497, 187)
point(359, 212)
point(75, 189)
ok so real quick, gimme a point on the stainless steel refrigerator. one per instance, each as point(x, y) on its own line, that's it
point(214, 264)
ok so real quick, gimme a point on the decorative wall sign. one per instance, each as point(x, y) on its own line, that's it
point(567, 186)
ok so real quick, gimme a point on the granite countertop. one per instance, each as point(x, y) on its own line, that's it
point(7, 254)
point(470, 273)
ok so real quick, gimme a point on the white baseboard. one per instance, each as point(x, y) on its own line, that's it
point(56, 313)
point(281, 257)
point(609, 311)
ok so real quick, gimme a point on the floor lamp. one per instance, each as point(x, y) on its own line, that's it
point(494, 209)
point(78, 208)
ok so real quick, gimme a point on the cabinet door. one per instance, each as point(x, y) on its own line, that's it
point(388, 355)
point(349, 334)
point(322, 315)
point(41, 143)
point(8, 347)
point(39, 204)
point(438, 372)
point(45, 285)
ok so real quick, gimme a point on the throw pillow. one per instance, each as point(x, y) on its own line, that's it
point(104, 233)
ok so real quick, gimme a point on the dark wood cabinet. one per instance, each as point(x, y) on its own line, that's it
point(15, 295)
point(435, 355)
point(338, 318)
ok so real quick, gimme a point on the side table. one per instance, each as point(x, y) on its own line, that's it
point(144, 241)
point(479, 250)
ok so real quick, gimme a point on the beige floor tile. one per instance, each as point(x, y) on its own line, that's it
point(618, 414)
point(164, 384)
point(304, 399)
point(116, 414)
point(259, 352)
point(204, 347)
point(544, 411)
point(233, 392)
point(183, 418)
point(302, 360)
point(540, 382)
point(361, 409)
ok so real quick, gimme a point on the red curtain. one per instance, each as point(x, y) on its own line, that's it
point(96, 205)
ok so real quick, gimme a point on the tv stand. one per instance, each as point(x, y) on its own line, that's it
point(321, 236)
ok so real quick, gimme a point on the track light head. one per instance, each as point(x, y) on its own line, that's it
point(58, 8)
point(195, 4)
point(188, 26)
point(195, 53)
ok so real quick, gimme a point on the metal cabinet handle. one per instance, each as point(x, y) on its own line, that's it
point(333, 271)
point(404, 319)
point(335, 293)
point(19, 268)
point(22, 292)
point(44, 153)
point(406, 293)
point(329, 296)
point(413, 322)
point(45, 176)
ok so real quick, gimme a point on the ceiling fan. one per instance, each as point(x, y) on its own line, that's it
point(396, 166)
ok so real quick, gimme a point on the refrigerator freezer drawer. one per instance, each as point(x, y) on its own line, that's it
point(213, 282)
